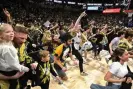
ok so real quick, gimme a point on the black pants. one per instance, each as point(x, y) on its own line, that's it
point(23, 82)
point(79, 57)
point(13, 83)
point(24, 79)
point(45, 86)
point(97, 48)
point(100, 47)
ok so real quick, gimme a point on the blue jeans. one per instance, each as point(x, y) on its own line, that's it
point(51, 58)
point(96, 86)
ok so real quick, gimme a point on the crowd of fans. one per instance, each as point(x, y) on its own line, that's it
point(45, 36)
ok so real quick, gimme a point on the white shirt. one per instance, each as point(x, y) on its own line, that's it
point(9, 59)
point(77, 40)
point(118, 70)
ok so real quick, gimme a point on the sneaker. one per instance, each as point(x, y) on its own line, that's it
point(83, 74)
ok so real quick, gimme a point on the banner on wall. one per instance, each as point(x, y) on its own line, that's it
point(130, 12)
point(115, 10)
point(92, 8)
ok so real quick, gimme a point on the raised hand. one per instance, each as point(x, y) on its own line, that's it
point(6, 12)
point(83, 14)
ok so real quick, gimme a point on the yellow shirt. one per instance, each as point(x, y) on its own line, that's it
point(124, 43)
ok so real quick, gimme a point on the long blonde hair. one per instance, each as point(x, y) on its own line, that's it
point(46, 36)
point(2, 29)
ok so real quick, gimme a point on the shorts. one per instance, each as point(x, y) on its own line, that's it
point(59, 71)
